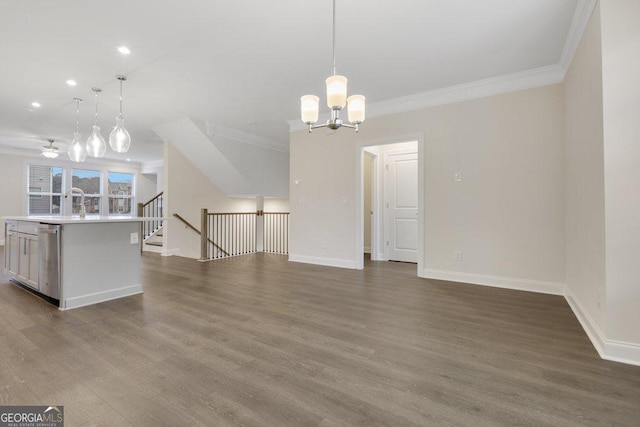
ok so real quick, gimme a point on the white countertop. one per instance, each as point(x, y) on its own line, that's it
point(56, 219)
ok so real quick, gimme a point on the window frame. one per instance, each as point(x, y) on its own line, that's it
point(38, 195)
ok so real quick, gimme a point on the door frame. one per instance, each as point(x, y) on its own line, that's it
point(359, 196)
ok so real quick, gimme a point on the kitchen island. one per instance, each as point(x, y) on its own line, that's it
point(98, 257)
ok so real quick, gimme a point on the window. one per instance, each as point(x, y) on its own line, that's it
point(88, 181)
point(120, 193)
point(45, 190)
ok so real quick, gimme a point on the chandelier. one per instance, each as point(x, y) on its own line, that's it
point(336, 99)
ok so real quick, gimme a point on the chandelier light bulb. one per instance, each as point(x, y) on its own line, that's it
point(336, 92)
point(309, 108)
point(355, 105)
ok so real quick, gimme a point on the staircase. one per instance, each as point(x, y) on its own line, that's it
point(152, 235)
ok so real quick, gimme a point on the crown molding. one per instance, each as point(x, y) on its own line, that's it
point(581, 17)
point(522, 80)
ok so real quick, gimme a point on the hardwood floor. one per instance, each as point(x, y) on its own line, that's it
point(259, 341)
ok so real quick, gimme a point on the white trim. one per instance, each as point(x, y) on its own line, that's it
point(528, 79)
point(367, 249)
point(1, 242)
point(328, 262)
point(581, 16)
point(98, 297)
point(359, 196)
point(170, 252)
point(539, 286)
point(590, 327)
point(616, 351)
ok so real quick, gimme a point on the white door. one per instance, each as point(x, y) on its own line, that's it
point(401, 186)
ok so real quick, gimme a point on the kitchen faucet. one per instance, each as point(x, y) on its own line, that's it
point(83, 210)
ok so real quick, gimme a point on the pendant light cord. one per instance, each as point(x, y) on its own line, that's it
point(78, 116)
point(95, 123)
point(334, 37)
point(120, 98)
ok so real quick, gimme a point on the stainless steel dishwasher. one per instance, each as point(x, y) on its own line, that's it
point(49, 259)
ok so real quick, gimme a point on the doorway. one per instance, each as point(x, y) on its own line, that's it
point(391, 183)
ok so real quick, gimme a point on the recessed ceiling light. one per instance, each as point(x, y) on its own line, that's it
point(124, 50)
point(128, 160)
point(72, 82)
point(36, 104)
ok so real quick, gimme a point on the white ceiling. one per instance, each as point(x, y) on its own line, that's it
point(245, 63)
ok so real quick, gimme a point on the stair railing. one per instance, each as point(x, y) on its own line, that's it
point(207, 240)
point(242, 233)
point(151, 209)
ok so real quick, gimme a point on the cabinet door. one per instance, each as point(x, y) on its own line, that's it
point(32, 242)
point(28, 259)
point(12, 254)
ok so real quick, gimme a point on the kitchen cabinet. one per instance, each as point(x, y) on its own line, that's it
point(28, 259)
point(21, 252)
point(11, 252)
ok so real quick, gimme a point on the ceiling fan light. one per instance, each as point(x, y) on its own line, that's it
point(355, 105)
point(336, 92)
point(50, 152)
point(309, 105)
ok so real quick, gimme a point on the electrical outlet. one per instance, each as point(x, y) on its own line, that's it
point(134, 238)
point(457, 256)
point(457, 177)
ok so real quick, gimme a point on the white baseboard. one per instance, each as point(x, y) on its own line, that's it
point(98, 297)
point(2, 242)
point(616, 351)
point(367, 249)
point(170, 252)
point(543, 287)
point(152, 248)
point(329, 262)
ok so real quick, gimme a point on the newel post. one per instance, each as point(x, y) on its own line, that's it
point(204, 233)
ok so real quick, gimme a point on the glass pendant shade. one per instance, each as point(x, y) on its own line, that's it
point(119, 139)
point(336, 92)
point(77, 152)
point(96, 146)
point(355, 105)
point(309, 108)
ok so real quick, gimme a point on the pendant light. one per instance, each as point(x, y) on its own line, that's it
point(49, 151)
point(77, 152)
point(96, 147)
point(119, 139)
point(336, 99)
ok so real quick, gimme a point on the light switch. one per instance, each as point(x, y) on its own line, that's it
point(134, 238)
point(457, 177)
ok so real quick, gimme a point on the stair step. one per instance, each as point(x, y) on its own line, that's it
point(153, 243)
